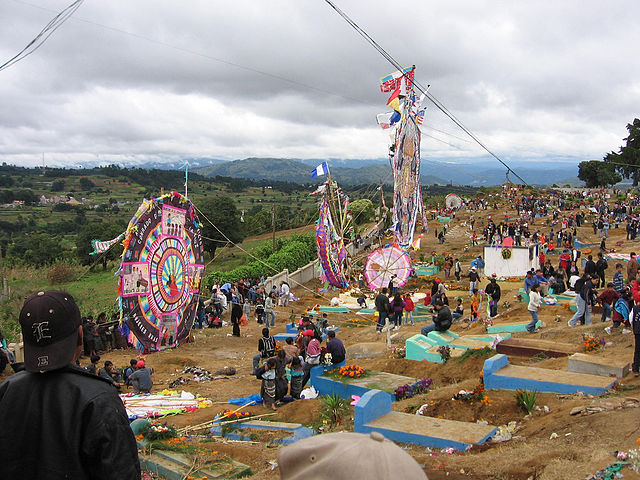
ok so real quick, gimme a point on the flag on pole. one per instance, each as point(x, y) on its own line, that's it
point(321, 169)
point(387, 120)
point(420, 117)
point(392, 81)
point(394, 100)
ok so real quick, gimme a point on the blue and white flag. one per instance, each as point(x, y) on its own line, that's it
point(321, 169)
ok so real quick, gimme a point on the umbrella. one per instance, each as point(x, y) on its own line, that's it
point(384, 262)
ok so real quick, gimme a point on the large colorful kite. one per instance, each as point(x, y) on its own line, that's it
point(160, 274)
point(334, 222)
point(385, 262)
point(405, 154)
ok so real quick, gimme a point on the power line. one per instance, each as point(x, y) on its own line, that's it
point(44, 34)
point(421, 88)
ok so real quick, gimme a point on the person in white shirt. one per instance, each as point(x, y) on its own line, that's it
point(535, 300)
point(284, 294)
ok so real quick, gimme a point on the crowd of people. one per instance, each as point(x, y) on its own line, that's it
point(300, 355)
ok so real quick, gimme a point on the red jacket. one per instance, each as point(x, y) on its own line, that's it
point(408, 304)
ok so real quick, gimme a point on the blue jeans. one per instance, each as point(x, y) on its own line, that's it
point(455, 315)
point(397, 318)
point(382, 316)
point(428, 328)
point(272, 314)
point(472, 286)
point(531, 326)
point(606, 311)
point(582, 310)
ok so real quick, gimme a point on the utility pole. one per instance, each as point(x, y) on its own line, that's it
point(273, 226)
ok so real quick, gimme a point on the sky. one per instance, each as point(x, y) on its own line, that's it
point(151, 80)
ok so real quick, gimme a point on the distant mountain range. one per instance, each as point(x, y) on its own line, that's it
point(354, 172)
point(484, 171)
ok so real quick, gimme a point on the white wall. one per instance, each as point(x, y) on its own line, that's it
point(522, 259)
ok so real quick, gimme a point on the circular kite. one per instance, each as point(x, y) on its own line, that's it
point(161, 270)
point(384, 262)
point(453, 201)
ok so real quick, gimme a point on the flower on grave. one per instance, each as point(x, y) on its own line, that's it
point(327, 359)
point(445, 352)
point(354, 371)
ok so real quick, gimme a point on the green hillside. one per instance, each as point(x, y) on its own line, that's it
point(282, 169)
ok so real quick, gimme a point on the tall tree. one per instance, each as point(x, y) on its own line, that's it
point(628, 159)
point(222, 212)
point(598, 174)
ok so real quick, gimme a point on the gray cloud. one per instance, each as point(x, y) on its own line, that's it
point(152, 79)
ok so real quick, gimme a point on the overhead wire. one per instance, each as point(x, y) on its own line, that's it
point(44, 34)
point(234, 64)
point(420, 87)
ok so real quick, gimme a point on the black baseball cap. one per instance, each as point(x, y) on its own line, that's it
point(49, 321)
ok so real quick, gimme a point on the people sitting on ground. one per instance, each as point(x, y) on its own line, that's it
point(128, 370)
point(266, 348)
point(267, 373)
point(323, 322)
point(309, 325)
point(141, 380)
point(335, 347)
point(93, 366)
point(290, 349)
point(441, 322)
point(312, 357)
point(110, 373)
point(362, 301)
point(459, 311)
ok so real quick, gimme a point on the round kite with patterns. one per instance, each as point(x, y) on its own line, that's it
point(160, 274)
point(453, 201)
point(385, 262)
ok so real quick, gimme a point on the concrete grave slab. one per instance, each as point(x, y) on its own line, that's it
point(511, 327)
point(366, 350)
point(373, 414)
point(528, 347)
point(597, 365)
point(346, 387)
point(500, 375)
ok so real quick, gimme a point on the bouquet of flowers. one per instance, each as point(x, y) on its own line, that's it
point(445, 352)
point(592, 343)
point(354, 371)
point(157, 431)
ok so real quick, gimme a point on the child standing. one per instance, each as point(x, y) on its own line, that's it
point(475, 305)
point(297, 375)
point(409, 307)
point(268, 389)
point(535, 300)
point(618, 279)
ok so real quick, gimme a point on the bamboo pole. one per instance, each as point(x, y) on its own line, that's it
point(215, 423)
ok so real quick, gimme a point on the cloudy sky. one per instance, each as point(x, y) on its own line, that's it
point(137, 80)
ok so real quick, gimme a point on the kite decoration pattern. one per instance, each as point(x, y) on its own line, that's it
point(384, 262)
point(453, 201)
point(334, 222)
point(404, 155)
point(160, 274)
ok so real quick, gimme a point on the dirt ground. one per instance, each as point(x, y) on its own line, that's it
point(584, 444)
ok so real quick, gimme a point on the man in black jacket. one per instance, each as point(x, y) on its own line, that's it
point(59, 421)
point(441, 322)
point(383, 307)
point(493, 291)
